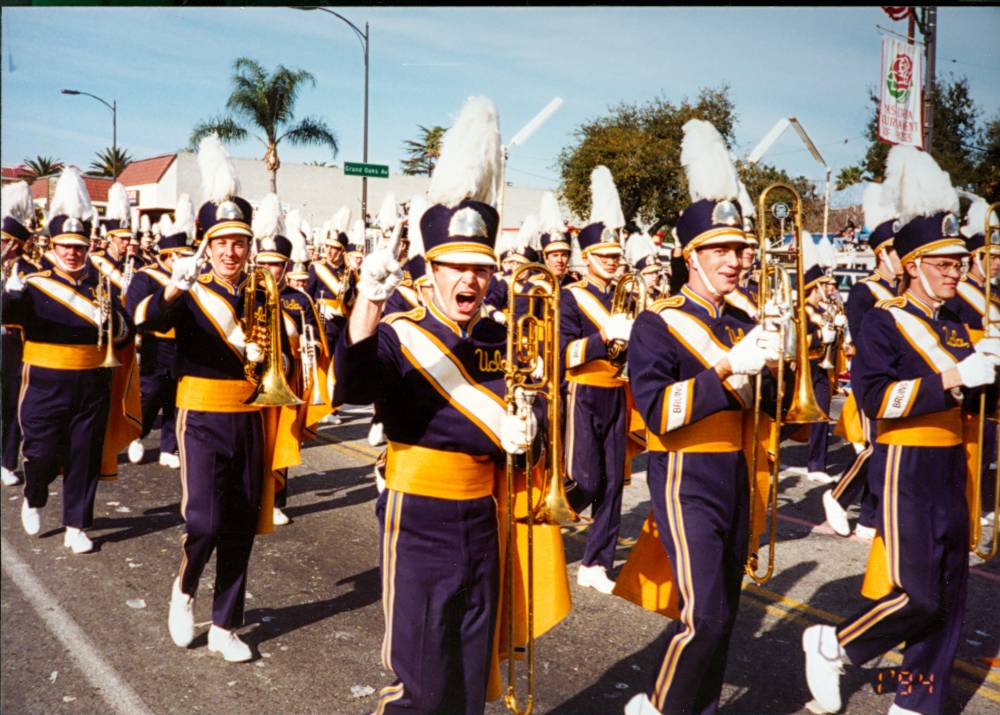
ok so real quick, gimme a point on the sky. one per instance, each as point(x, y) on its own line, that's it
point(168, 68)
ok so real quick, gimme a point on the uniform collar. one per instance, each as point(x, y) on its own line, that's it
point(226, 285)
point(601, 285)
point(75, 282)
point(975, 281)
point(921, 306)
point(454, 327)
point(701, 302)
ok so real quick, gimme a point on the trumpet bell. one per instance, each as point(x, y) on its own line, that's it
point(273, 391)
point(110, 360)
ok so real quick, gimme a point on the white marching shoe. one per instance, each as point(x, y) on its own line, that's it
point(31, 519)
point(136, 451)
point(640, 705)
point(376, 434)
point(864, 533)
point(824, 666)
point(836, 517)
point(77, 540)
point(596, 577)
point(168, 459)
point(897, 710)
point(9, 478)
point(180, 622)
point(228, 644)
point(279, 517)
point(820, 477)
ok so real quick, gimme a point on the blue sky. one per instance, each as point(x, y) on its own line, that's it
point(169, 67)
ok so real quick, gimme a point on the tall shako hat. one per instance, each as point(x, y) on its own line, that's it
point(749, 212)
point(880, 217)
point(300, 253)
point(600, 235)
point(339, 227)
point(814, 262)
point(70, 213)
point(177, 236)
point(18, 211)
point(926, 204)
point(713, 217)
point(269, 231)
point(460, 225)
point(415, 264)
point(975, 225)
point(554, 235)
point(640, 252)
point(388, 214)
point(223, 213)
point(524, 246)
point(117, 217)
point(356, 237)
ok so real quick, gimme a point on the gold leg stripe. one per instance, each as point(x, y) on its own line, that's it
point(873, 617)
point(390, 538)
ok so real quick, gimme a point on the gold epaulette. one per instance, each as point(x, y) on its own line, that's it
point(582, 283)
point(416, 315)
point(39, 274)
point(205, 278)
point(898, 302)
point(674, 301)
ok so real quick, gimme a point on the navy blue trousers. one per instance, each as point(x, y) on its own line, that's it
point(924, 523)
point(11, 360)
point(595, 454)
point(440, 586)
point(853, 483)
point(701, 506)
point(819, 432)
point(222, 469)
point(159, 394)
point(63, 416)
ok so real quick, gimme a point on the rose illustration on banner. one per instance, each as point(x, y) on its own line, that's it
point(900, 79)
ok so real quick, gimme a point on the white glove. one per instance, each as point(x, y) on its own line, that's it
point(990, 347)
point(254, 353)
point(753, 351)
point(619, 327)
point(828, 335)
point(14, 283)
point(326, 310)
point(185, 272)
point(977, 370)
point(839, 320)
point(380, 274)
point(516, 432)
point(499, 316)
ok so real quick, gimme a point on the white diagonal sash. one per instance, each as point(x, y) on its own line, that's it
point(878, 290)
point(106, 267)
point(925, 340)
point(592, 308)
point(481, 406)
point(705, 347)
point(741, 301)
point(157, 275)
point(977, 299)
point(79, 304)
point(223, 317)
point(331, 281)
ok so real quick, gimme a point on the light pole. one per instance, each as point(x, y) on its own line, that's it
point(363, 38)
point(114, 127)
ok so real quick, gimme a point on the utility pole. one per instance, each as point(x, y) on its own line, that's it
point(929, 29)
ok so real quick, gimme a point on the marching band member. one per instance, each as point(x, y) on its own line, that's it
point(158, 381)
point(915, 368)
point(854, 425)
point(329, 279)
point(689, 360)
point(555, 240)
point(596, 409)
point(18, 218)
point(640, 254)
point(219, 436)
point(111, 261)
point(71, 322)
point(414, 290)
point(448, 430)
point(745, 295)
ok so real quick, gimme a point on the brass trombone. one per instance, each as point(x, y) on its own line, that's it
point(629, 299)
point(262, 324)
point(989, 229)
point(532, 369)
point(804, 408)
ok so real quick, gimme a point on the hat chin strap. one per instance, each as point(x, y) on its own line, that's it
point(885, 260)
point(978, 263)
point(63, 267)
point(597, 268)
point(925, 284)
point(704, 276)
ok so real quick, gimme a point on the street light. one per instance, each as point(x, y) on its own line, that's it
point(363, 38)
point(114, 126)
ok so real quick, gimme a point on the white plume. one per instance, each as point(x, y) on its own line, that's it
point(746, 203)
point(873, 204)
point(916, 186)
point(605, 206)
point(118, 208)
point(71, 197)
point(165, 226)
point(575, 254)
point(549, 216)
point(975, 218)
point(470, 163)
point(324, 231)
point(811, 253)
point(218, 175)
point(267, 219)
point(388, 214)
point(293, 223)
point(357, 235)
point(184, 216)
point(827, 253)
point(144, 224)
point(529, 235)
point(300, 253)
point(341, 220)
point(639, 246)
point(305, 228)
point(707, 163)
point(17, 203)
point(507, 241)
point(418, 204)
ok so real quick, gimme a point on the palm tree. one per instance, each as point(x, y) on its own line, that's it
point(849, 176)
point(110, 162)
point(267, 103)
point(423, 152)
point(40, 166)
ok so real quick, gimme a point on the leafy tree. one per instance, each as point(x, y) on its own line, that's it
point(110, 162)
point(987, 175)
point(266, 103)
point(849, 176)
point(423, 153)
point(40, 166)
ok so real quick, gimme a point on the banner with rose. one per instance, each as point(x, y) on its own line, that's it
point(900, 119)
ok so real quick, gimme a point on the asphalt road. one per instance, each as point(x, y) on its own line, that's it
point(87, 634)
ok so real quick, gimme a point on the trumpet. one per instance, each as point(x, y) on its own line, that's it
point(834, 307)
point(106, 322)
point(629, 299)
point(310, 367)
point(128, 272)
point(532, 369)
point(262, 325)
point(976, 507)
point(804, 408)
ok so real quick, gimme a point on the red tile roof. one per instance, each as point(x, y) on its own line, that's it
point(146, 171)
point(13, 173)
point(97, 187)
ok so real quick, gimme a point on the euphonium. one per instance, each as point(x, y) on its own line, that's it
point(106, 323)
point(532, 369)
point(976, 507)
point(629, 299)
point(262, 324)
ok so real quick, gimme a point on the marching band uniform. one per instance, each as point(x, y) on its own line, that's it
point(65, 397)
point(157, 351)
point(112, 261)
point(330, 285)
point(908, 351)
point(821, 334)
